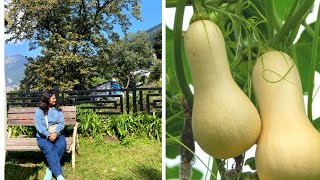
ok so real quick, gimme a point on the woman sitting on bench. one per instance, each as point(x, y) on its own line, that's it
point(49, 123)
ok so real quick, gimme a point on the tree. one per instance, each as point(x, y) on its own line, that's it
point(157, 44)
point(130, 54)
point(72, 34)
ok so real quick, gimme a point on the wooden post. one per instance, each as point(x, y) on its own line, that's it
point(141, 100)
point(127, 100)
point(121, 104)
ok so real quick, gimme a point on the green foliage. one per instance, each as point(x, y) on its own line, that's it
point(302, 52)
point(316, 123)
point(127, 55)
point(249, 176)
point(134, 125)
point(73, 36)
point(98, 80)
point(18, 131)
point(90, 123)
point(171, 173)
point(250, 28)
point(157, 44)
point(251, 162)
point(156, 72)
point(121, 126)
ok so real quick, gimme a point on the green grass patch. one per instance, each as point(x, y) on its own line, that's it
point(101, 158)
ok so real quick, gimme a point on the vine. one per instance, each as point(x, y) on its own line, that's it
point(247, 43)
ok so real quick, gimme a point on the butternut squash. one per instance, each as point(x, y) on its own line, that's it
point(289, 145)
point(225, 123)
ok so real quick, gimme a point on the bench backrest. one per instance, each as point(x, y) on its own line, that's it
point(24, 116)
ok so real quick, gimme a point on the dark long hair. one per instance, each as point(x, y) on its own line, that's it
point(44, 103)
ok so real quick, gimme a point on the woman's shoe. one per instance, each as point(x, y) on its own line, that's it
point(48, 175)
point(60, 177)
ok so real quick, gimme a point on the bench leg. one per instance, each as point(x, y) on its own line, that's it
point(73, 156)
point(78, 146)
point(74, 142)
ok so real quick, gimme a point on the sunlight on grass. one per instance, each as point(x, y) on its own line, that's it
point(137, 158)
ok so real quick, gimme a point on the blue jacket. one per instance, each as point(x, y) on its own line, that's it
point(54, 117)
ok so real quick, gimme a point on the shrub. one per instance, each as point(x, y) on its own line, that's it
point(89, 123)
point(134, 124)
point(18, 131)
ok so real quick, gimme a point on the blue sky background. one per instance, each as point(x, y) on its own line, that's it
point(151, 13)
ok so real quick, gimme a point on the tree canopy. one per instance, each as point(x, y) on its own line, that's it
point(74, 36)
point(127, 55)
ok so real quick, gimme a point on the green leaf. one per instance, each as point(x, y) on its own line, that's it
point(248, 176)
point(316, 123)
point(303, 51)
point(173, 173)
point(282, 9)
point(251, 162)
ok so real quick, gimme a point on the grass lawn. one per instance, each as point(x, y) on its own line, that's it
point(134, 158)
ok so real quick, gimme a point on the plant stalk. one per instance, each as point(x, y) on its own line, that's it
point(186, 139)
point(177, 53)
point(292, 22)
point(268, 10)
point(200, 13)
point(179, 142)
point(313, 65)
point(173, 3)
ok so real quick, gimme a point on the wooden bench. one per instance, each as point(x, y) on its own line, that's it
point(25, 117)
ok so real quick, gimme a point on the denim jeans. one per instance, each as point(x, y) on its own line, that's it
point(53, 152)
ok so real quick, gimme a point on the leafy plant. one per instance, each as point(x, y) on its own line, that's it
point(18, 131)
point(90, 122)
point(134, 125)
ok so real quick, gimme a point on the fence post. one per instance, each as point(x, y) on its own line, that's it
point(134, 97)
point(127, 100)
point(56, 92)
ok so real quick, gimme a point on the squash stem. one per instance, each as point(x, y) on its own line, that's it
point(237, 27)
point(313, 65)
point(177, 53)
point(200, 13)
point(173, 3)
point(187, 139)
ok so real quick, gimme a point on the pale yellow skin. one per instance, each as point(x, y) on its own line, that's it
point(289, 145)
point(224, 121)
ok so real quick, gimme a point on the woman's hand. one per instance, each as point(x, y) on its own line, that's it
point(53, 137)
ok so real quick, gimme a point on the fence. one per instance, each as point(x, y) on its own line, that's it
point(108, 101)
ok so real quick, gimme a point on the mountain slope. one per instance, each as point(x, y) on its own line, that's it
point(14, 69)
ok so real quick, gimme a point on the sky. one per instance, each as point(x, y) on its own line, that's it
point(151, 13)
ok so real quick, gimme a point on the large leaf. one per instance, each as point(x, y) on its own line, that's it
point(316, 123)
point(282, 9)
point(251, 162)
point(303, 51)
